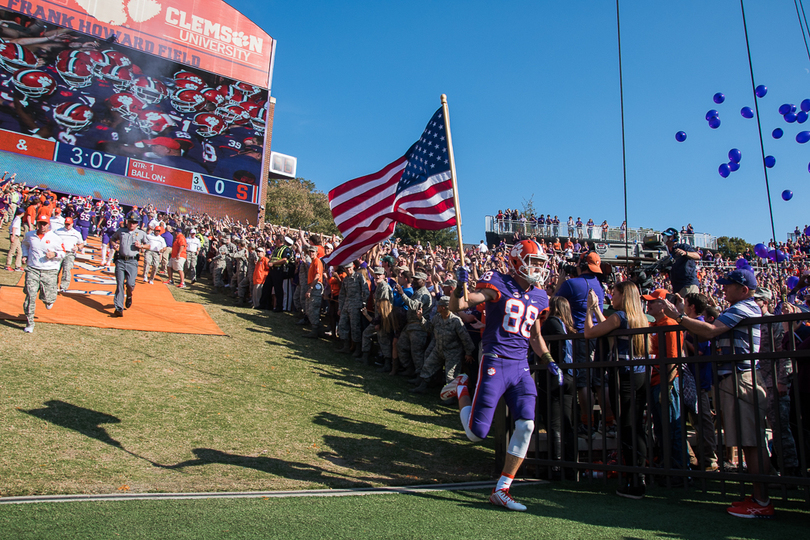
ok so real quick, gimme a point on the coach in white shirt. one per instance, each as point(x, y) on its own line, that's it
point(42, 253)
point(192, 250)
point(72, 241)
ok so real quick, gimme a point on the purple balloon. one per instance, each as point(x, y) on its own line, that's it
point(734, 155)
point(805, 105)
point(724, 170)
point(761, 90)
point(784, 109)
point(802, 137)
point(807, 231)
point(761, 250)
point(719, 98)
point(787, 195)
point(741, 263)
point(770, 161)
point(712, 114)
point(792, 281)
point(714, 123)
point(790, 117)
point(781, 256)
point(747, 112)
point(801, 117)
point(680, 136)
point(777, 133)
point(733, 166)
point(772, 254)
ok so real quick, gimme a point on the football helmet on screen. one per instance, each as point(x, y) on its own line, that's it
point(126, 104)
point(14, 56)
point(232, 95)
point(73, 116)
point(528, 260)
point(188, 77)
point(154, 122)
point(116, 58)
point(258, 119)
point(34, 83)
point(234, 114)
point(188, 101)
point(210, 124)
point(74, 71)
point(213, 96)
point(149, 90)
point(248, 89)
point(120, 77)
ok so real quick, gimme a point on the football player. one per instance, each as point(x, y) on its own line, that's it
point(514, 303)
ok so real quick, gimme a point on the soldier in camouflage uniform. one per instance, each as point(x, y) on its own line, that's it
point(239, 258)
point(245, 284)
point(384, 293)
point(220, 263)
point(413, 340)
point(355, 292)
point(451, 343)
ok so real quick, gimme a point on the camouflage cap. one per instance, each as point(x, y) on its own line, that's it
point(420, 275)
point(444, 301)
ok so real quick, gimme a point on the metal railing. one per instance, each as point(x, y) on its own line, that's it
point(595, 233)
point(654, 444)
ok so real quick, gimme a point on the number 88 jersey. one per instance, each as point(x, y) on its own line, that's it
point(511, 316)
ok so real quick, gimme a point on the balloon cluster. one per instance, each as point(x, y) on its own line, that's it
point(734, 157)
point(762, 251)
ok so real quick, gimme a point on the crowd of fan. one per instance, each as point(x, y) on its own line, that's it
point(390, 308)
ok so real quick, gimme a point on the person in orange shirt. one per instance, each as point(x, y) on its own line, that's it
point(178, 259)
point(260, 272)
point(673, 340)
point(314, 292)
point(30, 216)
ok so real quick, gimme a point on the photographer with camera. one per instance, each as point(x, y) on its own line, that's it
point(574, 283)
point(683, 273)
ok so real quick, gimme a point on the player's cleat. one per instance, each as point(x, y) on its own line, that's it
point(751, 509)
point(450, 390)
point(128, 302)
point(502, 497)
point(29, 329)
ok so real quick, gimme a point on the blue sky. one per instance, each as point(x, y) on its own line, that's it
point(533, 90)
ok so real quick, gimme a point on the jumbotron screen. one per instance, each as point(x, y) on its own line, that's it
point(133, 103)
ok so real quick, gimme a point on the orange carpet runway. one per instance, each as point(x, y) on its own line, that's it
point(89, 302)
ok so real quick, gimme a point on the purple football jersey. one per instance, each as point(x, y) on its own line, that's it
point(510, 318)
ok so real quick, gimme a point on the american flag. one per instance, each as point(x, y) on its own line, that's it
point(416, 190)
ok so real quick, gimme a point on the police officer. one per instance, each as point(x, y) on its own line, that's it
point(451, 343)
point(413, 340)
point(128, 242)
point(280, 257)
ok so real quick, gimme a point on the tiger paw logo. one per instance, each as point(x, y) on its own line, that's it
point(491, 371)
point(121, 12)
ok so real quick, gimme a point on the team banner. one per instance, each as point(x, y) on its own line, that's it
point(206, 34)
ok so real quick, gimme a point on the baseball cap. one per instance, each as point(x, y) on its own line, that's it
point(378, 271)
point(68, 220)
point(594, 262)
point(444, 301)
point(43, 217)
point(288, 240)
point(420, 275)
point(312, 248)
point(740, 277)
point(657, 294)
point(450, 283)
point(763, 294)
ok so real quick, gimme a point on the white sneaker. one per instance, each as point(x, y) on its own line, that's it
point(49, 306)
point(450, 390)
point(151, 282)
point(29, 329)
point(502, 497)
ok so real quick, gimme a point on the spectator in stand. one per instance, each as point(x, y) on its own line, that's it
point(605, 229)
point(623, 231)
point(556, 223)
point(15, 250)
point(740, 400)
point(482, 248)
point(632, 383)
point(684, 268)
point(570, 227)
point(590, 226)
point(579, 228)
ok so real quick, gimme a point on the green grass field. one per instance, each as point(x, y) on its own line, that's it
point(88, 410)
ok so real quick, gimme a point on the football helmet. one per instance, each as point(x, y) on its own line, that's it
point(116, 58)
point(34, 83)
point(186, 85)
point(213, 96)
point(258, 119)
point(528, 260)
point(210, 124)
point(154, 122)
point(14, 56)
point(74, 71)
point(73, 116)
point(120, 77)
point(188, 101)
point(126, 104)
point(234, 114)
point(188, 77)
point(248, 89)
point(232, 95)
point(99, 61)
point(149, 90)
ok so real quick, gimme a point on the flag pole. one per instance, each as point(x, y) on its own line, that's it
point(456, 203)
